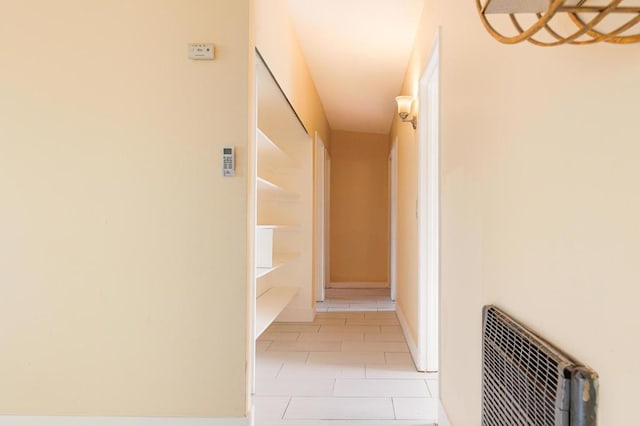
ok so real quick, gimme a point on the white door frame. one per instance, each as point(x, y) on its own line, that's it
point(429, 211)
point(393, 218)
point(327, 219)
point(320, 207)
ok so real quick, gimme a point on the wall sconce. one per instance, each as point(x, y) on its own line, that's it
point(609, 23)
point(405, 110)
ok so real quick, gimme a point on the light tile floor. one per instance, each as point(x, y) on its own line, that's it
point(340, 300)
point(345, 368)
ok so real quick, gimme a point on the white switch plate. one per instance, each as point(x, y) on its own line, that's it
point(202, 51)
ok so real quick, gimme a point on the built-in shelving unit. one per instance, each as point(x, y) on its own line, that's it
point(284, 184)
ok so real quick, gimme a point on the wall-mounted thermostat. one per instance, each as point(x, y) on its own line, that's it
point(202, 51)
point(228, 161)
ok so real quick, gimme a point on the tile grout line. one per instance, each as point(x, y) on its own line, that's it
point(393, 404)
point(287, 407)
point(428, 388)
point(280, 369)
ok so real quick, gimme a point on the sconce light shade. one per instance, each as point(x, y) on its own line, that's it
point(404, 105)
point(405, 108)
point(585, 22)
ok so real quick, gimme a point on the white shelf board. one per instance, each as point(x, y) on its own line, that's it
point(279, 259)
point(270, 304)
point(270, 153)
point(279, 226)
point(267, 187)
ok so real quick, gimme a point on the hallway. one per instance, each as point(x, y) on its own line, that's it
point(345, 368)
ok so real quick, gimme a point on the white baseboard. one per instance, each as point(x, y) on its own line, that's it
point(121, 421)
point(443, 419)
point(296, 315)
point(413, 347)
point(359, 284)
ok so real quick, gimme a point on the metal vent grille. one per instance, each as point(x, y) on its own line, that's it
point(525, 380)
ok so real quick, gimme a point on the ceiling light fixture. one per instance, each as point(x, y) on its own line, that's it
point(405, 110)
point(586, 20)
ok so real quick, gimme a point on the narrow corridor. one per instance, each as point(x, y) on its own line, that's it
point(345, 368)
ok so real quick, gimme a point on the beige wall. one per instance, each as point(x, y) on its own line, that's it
point(122, 279)
point(359, 238)
point(540, 202)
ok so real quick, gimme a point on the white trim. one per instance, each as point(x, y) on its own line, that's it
point(406, 330)
point(358, 285)
point(122, 421)
point(393, 218)
point(327, 201)
point(252, 222)
point(320, 182)
point(429, 211)
point(443, 419)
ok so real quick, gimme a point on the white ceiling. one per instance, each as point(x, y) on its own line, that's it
point(357, 51)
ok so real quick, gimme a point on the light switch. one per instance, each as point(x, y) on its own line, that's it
point(201, 51)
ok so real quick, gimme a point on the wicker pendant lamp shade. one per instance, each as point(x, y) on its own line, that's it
point(556, 22)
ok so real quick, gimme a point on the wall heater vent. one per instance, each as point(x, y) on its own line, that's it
point(528, 382)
